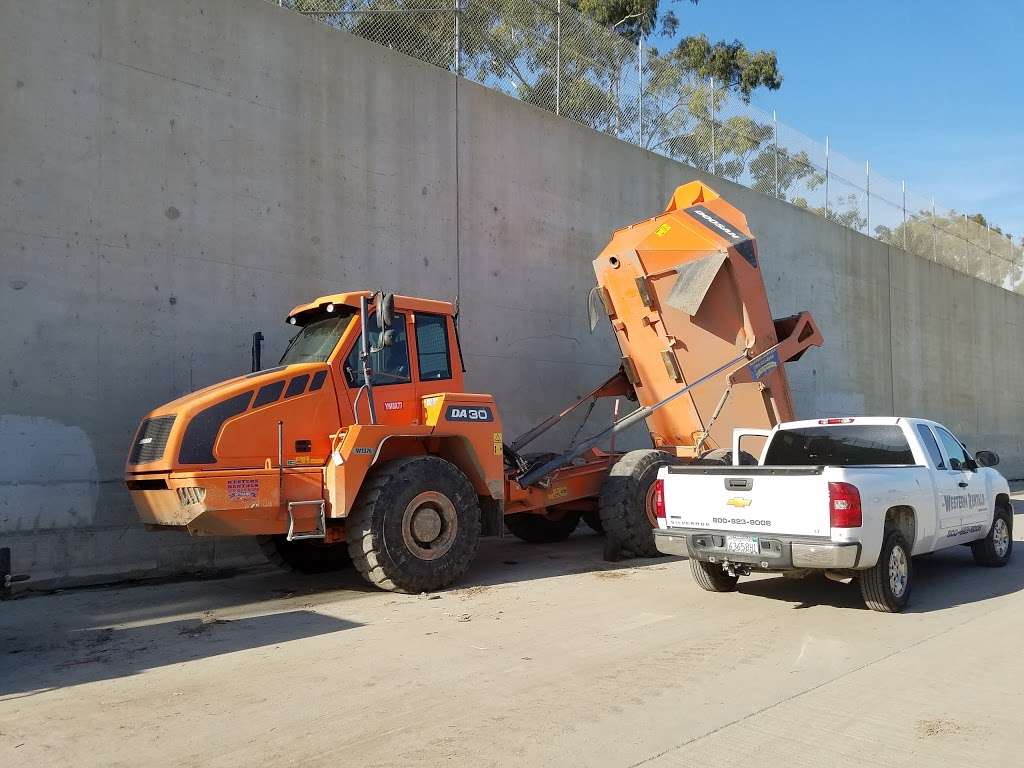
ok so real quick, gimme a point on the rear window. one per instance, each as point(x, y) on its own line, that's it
point(844, 446)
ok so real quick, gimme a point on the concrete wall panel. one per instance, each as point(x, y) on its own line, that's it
point(175, 176)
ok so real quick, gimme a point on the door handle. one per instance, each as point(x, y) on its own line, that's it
point(962, 484)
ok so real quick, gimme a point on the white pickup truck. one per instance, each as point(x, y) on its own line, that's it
point(853, 497)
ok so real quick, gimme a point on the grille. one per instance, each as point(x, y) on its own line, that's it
point(150, 442)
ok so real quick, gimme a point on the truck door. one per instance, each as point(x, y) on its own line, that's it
point(971, 499)
point(394, 393)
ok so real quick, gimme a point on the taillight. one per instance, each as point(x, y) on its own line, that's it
point(844, 505)
point(659, 499)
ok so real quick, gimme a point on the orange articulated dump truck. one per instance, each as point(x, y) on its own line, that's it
point(362, 446)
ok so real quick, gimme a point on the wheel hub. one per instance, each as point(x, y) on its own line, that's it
point(429, 525)
point(1000, 537)
point(426, 524)
point(899, 570)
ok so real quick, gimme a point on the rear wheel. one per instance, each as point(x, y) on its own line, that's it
point(711, 578)
point(626, 505)
point(542, 529)
point(415, 525)
point(995, 549)
point(886, 585)
point(305, 556)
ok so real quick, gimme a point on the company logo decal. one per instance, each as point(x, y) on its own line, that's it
point(742, 242)
point(396, 406)
point(764, 365)
point(243, 489)
point(963, 501)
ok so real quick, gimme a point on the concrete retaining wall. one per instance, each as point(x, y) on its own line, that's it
point(174, 176)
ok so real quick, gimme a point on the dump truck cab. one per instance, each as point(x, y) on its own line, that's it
point(284, 450)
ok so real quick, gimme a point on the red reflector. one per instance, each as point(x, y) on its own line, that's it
point(659, 499)
point(844, 505)
point(835, 421)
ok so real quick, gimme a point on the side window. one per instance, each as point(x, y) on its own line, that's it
point(928, 439)
point(432, 347)
point(389, 365)
point(957, 454)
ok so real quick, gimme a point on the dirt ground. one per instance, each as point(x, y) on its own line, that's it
point(545, 656)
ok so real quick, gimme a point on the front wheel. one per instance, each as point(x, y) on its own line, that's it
point(415, 525)
point(886, 585)
point(995, 549)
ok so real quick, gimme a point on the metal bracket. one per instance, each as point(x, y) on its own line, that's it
point(320, 532)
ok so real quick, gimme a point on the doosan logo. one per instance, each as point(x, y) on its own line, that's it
point(716, 224)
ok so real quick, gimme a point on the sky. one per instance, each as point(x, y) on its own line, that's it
point(929, 92)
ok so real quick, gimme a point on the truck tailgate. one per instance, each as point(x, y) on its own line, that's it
point(783, 500)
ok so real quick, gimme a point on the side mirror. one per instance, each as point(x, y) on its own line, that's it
point(986, 458)
point(385, 310)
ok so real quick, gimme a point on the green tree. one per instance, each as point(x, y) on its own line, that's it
point(966, 243)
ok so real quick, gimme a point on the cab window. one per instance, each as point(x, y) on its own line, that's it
point(432, 347)
point(928, 439)
point(955, 451)
point(389, 365)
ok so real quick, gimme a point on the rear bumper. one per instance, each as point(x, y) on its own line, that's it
point(778, 553)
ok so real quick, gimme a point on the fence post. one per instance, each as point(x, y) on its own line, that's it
point(640, 72)
point(558, 58)
point(904, 185)
point(457, 43)
point(775, 123)
point(714, 151)
point(826, 177)
point(935, 235)
point(867, 196)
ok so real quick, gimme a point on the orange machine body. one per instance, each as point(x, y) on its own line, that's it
point(685, 294)
point(230, 459)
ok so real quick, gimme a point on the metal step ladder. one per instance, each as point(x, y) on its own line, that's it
point(320, 532)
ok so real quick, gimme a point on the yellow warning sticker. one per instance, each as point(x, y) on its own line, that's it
point(663, 230)
point(559, 492)
point(497, 443)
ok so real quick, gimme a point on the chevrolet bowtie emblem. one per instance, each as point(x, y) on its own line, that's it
point(738, 502)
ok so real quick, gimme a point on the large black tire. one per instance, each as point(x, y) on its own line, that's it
point(541, 529)
point(304, 556)
point(886, 585)
point(415, 525)
point(995, 549)
point(711, 578)
point(623, 505)
point(593, 521)
point(722, 456)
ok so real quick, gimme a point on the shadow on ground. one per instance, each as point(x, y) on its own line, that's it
point(941, 580)
point(39, 661)
point(75, 636)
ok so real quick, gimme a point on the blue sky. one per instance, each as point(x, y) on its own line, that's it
point(929, 92)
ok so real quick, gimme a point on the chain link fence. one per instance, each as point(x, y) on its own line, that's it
point(548, 54)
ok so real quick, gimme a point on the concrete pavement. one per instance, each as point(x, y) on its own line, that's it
point(545, 656)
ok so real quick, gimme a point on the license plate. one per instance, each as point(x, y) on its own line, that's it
point(742, 545)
